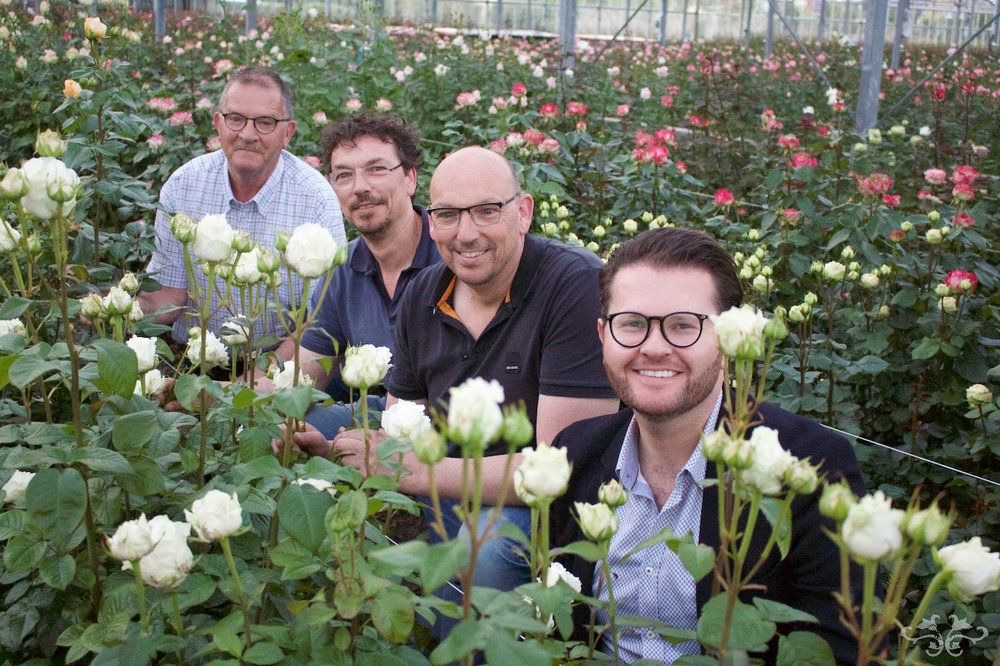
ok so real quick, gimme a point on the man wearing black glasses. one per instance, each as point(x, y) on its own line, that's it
point(259, 186)
point(504, 305)
point(662, 357)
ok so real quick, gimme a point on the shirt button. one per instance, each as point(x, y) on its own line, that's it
point(649, 571)
point(651, 634)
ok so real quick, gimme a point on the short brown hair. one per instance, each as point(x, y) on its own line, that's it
point(382, 126)
point(673, 247)
point(263, 77)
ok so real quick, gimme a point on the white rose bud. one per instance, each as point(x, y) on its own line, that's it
point(802, 477)
point(91, 306)
point(612, 493)
point(285, 378)
point(17, 486)
point(145, 351)
point(242, 241)
point(216, 353)
point(183, 228)
point(872, 529)
point(769, 462)
point(598, 521)
point(542, 475)
point(267, 262)
point(405, 420)
point(167, 565)
point(978, 396)
point(47, 176)
point(933, 236)
point(311, 250)
point(155, 383)
point(50, 144)
point(213, 238)
point(740, 332)
point(929, 527)
point(365, 366)
point(430, 447)
point(883, 312)
point(474, 415)
point(129, 283)
point(557, 572)
point(215, 516)
point(9, 237)
point(94, 28)
point(836, 500)
point(247, 267)
point(974, 569)
point(235, 332)
point(136, 313)
point(834, 271)
point(117, 302)
point(948, 304)
point(870, 280)
point(14, 185)
point(132, 540)
point(714, 444)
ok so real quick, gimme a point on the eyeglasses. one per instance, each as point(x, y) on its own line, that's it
point(344, 178)
point(483, 215)
point(680, 329)
point(263, 124)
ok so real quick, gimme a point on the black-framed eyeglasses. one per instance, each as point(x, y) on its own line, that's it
point(344, 178)
point(680, 329)
point(483, 215)
point(263, 124)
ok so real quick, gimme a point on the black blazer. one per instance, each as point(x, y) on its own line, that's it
point(805, 579)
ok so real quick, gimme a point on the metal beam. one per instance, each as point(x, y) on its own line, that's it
point(866, 115)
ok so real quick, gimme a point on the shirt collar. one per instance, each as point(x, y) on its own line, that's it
point(265, 196)
point(627, 467)
point(363, 261)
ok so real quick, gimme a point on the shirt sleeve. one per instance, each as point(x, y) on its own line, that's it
point(166, 265)
point(572, 363)
point(328, 214)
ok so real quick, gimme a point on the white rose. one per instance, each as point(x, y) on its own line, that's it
point(834, 271)
point(91, 306)
point(8, 326)
point(474, 414)
point(318, 484)
point(216, 353)
point(167, 565)
point(129, 283)
point(17, 486)
point(213, 238)
point(598, 521)
point(741, 332)
point(612, 493)
point(557, 572)
point(247, 270)
point(311, 250)
point(45, 175)
point(285, 378)
point(132, 540)
point(135, 313)
point(872, 529)
point(769, 462)
point(542, 475)
point(9, 237)
point(155, 383)
point(14, 185)
point(215, 516)
point(405, 420)
point(365, 366)
point(235, 333)
point(975, 570)
point(978, 396)
point(145, 350)
point(117, 302)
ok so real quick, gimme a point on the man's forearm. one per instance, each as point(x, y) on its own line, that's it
point(152, 301)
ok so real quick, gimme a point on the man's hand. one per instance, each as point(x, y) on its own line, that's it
point(306, 442)
point(350, 448)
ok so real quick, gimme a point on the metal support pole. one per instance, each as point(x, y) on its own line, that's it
point(251, 16)
point(499, 20)
point(684, 23)
point(746, 32)
point(769, 40)
point(743, 9)
point(876, 14)
point(663, 21)
point(821, 28)
point(996, 27)
point(567, 31)
point(159, 20)
point(847, 16)
point(958, 21)
point(902, 16)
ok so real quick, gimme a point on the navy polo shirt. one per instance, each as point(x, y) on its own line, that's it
point(356, 309)
point(542, 340)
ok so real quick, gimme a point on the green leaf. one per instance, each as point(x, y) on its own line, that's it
point(117, 368)
point(585, 549)
point(348, 597)
point(802, 648)
point(443, 561)
point(23, 552)
point(14, 307)
point(462, 640)
point(294, 402)
point(11, 524)
point(747, 629)
point(263, 653)
point(27, 369)
point(297, 560)
point(101, 460)
point(133, 431)
point(779, 612)
point(188, 387)
point(697, 558)
point(927, 348)
point(771, 508)
point(145, 479)
point(392, 614)
point(228, 642)
point(301, 511)
point(871, 365)
point(56, 501)
point(399, 560)
point(58, 572)
point(5, 363)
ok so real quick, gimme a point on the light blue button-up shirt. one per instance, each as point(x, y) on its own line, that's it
point(653, 583)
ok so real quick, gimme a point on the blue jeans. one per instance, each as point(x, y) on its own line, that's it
point(329, 420)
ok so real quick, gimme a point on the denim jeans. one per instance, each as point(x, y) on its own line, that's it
point(329, 420)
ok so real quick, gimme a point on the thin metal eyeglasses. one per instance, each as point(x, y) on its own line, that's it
point(680, 329)
point(344, 178)
point(263, 124)
point(482, 215)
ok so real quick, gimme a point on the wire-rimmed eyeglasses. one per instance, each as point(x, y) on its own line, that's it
point(344, 178)
point(680, 329)
point(483, 214)
point(263, 124)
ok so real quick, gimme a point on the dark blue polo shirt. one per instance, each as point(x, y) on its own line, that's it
point(543, 340)
point(357, 310)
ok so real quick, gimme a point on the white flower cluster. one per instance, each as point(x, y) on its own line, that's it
point(216, 353)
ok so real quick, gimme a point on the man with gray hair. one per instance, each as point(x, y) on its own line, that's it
point(259, 186)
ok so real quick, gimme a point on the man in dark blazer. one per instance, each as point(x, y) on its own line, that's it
point(661, 356)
